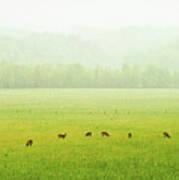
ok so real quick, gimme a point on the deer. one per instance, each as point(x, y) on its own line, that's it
point(104, 133)
point(166, 135)
point(62, 136)
point(129, 135)
point(29, 143)
point(88, 134)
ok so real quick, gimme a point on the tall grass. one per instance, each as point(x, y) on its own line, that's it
point(42, 114)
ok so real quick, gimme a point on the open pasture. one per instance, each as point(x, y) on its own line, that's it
point(41, 115)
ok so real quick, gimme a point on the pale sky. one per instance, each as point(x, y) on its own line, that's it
point(54, 15)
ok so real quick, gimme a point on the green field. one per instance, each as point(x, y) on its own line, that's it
point(41, 114)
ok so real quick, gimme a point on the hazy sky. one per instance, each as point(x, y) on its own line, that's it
point(59, 14)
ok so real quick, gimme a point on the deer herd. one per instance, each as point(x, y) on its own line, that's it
point(89, 134)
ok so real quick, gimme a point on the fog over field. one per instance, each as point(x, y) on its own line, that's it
point(119, 40)
point(89, 89)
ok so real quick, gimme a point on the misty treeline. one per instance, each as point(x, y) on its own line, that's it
point(58, 75)
point(90, 46)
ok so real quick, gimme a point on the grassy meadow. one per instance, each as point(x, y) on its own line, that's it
point(40, 114)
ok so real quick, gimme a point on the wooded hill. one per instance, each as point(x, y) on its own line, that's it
point(92, 47)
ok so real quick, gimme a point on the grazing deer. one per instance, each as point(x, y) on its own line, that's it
point(29, 143)
point(62, 135)
point(88, 134)
point(129, 135)
point(166, 135)
point(105, 134)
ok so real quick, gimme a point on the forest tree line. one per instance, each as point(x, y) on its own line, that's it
point(93, 46)
point(50, 75)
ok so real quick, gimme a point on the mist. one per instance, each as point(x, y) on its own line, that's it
point(89, 89)
point(89, 44)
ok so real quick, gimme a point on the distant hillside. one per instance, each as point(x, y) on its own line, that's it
point(137, 45)
point(42, 47)
point(93, 46)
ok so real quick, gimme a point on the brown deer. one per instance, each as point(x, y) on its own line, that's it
point(104, 133)
point(29, 142)
point(88, 134)
point(129, 135)
point(62, 136)
point(166, 135)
